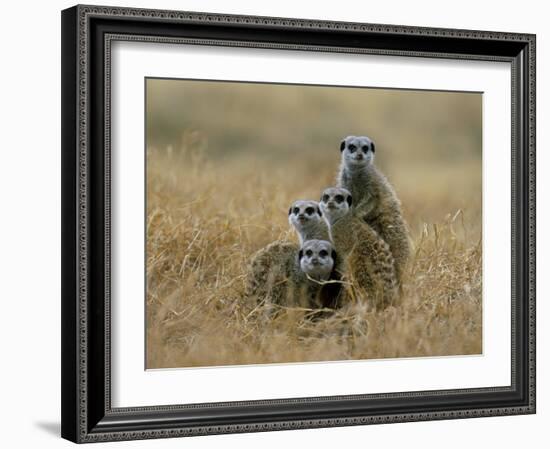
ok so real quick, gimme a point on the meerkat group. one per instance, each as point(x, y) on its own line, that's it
point(355, 237)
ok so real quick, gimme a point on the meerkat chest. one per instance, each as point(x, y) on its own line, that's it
point(354, 184)
point(361, 187)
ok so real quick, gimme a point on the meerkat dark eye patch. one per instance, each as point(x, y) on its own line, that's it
point(309, 253)
point(325, 197)
point(296, 210)
point(352, 148)
point(339, 198)
point(309, 210)
point(365, 148)
point(323, 253)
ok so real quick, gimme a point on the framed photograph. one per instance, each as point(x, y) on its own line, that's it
point(276, 224)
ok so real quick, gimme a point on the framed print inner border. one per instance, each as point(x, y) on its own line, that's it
point(88, 32)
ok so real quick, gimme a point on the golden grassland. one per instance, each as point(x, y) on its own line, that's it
point(211, 207)
point(199, 245)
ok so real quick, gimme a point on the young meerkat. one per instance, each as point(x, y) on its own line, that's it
point(375, 200)
point(365, 258)
point(273, 272)
point(306, 218)
point(318, 262)
point(288, 275)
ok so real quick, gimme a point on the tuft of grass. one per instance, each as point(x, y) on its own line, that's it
point(207, 217)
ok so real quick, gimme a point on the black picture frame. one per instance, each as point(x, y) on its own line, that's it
point(87, 414)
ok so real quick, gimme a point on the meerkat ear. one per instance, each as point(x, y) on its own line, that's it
point(289, 210)
point(349, 200)
point(300, 254)
point(319, 211)
point(372, 147)
point(334, 256)
point(342, 145)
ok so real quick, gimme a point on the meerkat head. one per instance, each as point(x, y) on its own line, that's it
point(357, 151)
point(335, 203)
point(317, 259)
point(305, 216)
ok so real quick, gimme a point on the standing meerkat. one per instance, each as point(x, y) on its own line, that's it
point(375, 200)
point(364, 256)
point(273, 272)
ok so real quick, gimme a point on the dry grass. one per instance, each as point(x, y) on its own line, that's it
point(220, 187)
point(198, 248)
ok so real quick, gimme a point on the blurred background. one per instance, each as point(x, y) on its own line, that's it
point(428, 143)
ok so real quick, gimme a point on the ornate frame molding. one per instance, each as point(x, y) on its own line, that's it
point(80, 413)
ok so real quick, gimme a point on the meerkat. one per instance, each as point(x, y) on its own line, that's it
point(288, 275)
point(318, 262)
point(365, 258)
point(272, 271)
point(375, 200)
point(306, 218)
